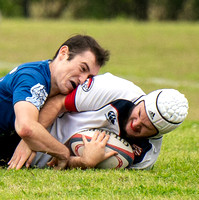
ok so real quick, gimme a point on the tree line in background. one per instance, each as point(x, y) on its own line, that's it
point(102, 9)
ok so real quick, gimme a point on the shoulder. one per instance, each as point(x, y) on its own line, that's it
point(103, 89)
point(31, 74)
point(146, 153)
point(39, 67)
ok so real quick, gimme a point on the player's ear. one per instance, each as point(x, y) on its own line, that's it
point(64, 52)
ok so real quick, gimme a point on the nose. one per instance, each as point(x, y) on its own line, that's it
point(83, 78)
point(137, 125)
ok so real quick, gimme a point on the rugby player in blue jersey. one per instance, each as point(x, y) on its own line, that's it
point(24, 90)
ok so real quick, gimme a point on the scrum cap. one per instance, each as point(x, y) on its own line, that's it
point(166, 109)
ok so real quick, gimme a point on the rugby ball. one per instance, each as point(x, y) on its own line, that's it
point(123, 159)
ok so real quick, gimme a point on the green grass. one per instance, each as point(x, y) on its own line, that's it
point(153, 55)
point(174, 176)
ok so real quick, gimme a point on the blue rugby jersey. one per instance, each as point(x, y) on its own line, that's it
point(27, 82)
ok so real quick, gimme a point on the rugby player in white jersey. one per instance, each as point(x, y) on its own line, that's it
point(110, 103)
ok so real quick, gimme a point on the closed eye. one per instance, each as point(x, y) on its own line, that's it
point(85, 67)
point(139, 113)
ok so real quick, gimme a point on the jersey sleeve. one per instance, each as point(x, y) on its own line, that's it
point(70, 101)
point(100, 90)
point(150, 157)
point(30, 87)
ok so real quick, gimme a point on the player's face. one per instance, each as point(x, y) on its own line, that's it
point(70, 73)
point(138, 124)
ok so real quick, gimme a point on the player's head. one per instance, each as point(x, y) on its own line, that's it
point(81, 43)
point(79, 58)
point(155, 114)
point(166, 109)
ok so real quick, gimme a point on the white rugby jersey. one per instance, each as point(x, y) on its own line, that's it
point(93, 98)
point(101, 90)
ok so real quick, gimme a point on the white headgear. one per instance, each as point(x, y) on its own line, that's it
point(166, 109)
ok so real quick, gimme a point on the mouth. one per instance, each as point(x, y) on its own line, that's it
point(73, 84)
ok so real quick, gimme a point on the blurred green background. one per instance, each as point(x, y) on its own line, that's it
point(102, 9)
point(152, 43)
point(151, 54)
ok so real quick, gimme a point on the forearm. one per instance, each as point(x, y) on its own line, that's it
point(39, 139)
point(76, 162)
point(35, 135)
point(52, 108)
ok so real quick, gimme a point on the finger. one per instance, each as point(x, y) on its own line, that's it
point(9, 167)
point(20, 164)
point(52, 162)
point(105, 140)
point(95, 136)
point(101, 136)
point(30, 159)
point(85, 141)
point(10, 161)
point(61, 165)
point(110, 154)
point(13, 162)
point(12, 165)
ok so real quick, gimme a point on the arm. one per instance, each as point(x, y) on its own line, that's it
point(93, 153)
point(53, 107)
point(34, 134)
point(23, 154)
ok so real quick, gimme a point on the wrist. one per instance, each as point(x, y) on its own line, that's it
point(87, 163)
point(64, 155)
point(76, 162)
point(84, 165)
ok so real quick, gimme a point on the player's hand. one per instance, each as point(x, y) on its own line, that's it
point(23, 154)
point(57, 164)
point(94, 151)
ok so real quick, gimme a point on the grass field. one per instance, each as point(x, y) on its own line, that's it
point(152, 55)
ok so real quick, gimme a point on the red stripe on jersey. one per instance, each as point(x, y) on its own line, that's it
point(89, 82)
point(70, 101)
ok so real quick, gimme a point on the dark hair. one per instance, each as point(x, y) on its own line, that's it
point(80, 43)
